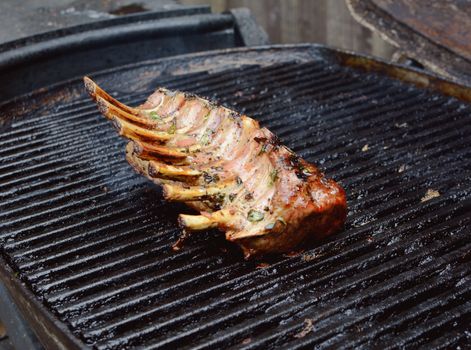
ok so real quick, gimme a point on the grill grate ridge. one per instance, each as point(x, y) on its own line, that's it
point(184, 317)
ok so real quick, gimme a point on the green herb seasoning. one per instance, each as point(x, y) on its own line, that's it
point(220, 197)
point(304, 171)
point(232, 196)
point(208, 178)
point(206, 137)
point(153, 115)
point(255, 216)
point(273, 176)
point(239, 181)
point(173, 127)
point(263, 149)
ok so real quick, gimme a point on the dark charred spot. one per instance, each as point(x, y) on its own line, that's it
point(239, 181)
point(260, 139)
point(234, 115)
point(90, 87)
point(219, 199)
point(208, 178)
point(102, 105)
point(137, 147)
point(294, 160)
point(269, 144)
point(275, 141)
point(248, 196)
point(238, 122)
point(206, 197)
point(189, 95)
point(297, 164)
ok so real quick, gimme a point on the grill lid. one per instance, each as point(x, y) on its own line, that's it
point(435, 33)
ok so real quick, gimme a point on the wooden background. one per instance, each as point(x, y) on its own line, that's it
point(316, 21)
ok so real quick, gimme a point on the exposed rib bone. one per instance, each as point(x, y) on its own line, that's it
point(142, 148)
point(196, 222)
point(127, 129)
point(95, 91)
point(158, 169)
point(194, 193)
point(201, 222)
point(110, 111)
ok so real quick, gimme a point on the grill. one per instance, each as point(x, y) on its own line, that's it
point(89, 240)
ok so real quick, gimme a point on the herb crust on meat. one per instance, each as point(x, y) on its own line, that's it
point(238, 176)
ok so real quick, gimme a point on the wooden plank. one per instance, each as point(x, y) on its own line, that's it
point(312, 17)
point(289, 21)
point(326, 22)
point(343, 31)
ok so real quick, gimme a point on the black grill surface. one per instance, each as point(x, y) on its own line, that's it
point(91, 239)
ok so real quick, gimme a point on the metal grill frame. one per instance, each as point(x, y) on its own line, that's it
point(51, 331)
point(40, 60)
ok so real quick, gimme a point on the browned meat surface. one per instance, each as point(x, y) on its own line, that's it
point(236, 174)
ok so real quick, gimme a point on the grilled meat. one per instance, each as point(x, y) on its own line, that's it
point(236, 174)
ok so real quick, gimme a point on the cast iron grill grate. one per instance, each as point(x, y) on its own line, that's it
point(92, 239)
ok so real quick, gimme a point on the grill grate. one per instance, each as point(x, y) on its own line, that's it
point(91, 239)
